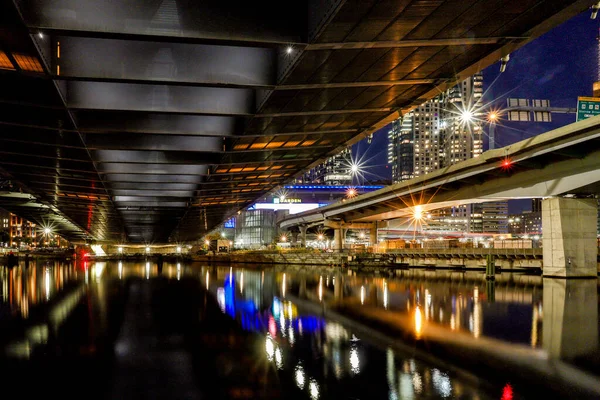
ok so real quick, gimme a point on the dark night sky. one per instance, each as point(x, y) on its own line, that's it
point(559, 66)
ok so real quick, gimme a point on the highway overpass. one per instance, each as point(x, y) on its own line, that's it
point(562, 162)
point(156, 120)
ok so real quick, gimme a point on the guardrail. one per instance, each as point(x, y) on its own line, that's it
point(474, 251)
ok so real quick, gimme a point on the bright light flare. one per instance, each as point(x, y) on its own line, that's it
point(418, 213)
point(289, 50)
point(506, 164)
point(418, 322)
point(466, 116)
point(283, 238)
point(351, 192)
point(493, 116)
point(47, 231)
point(354, 168)
point(320, 236)
point(207, 242)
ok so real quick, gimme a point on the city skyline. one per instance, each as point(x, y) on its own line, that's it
point(542, 69)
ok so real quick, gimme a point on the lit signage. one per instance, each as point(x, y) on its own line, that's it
point(278, 200)
point(293, 208)
point(337, 177)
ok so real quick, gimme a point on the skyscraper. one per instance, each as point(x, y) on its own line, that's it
point(334, 171)
point(439, 133)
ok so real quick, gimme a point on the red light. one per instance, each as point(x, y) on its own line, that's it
point(507, 392)
point(506, 164)
point(86, 254)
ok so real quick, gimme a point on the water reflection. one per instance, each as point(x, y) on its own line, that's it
point(511, 308)
point(321, 356)
point(25, 287)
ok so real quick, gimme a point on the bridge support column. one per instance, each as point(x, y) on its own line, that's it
point(490, 267)
point(569, 237)
point(338, 239)
point(294, 238)
point(373, 234)
point(303, 235)
point(570, 317)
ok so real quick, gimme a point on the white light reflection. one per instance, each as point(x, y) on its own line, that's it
point(391, 374)
point(406, 386)
point(313, 389)
point(278, 358)
point(47, 282)
point(120, 270)
point(385, 295)
point(283, 285)
point(321, 288)
point(147, 270)
point(99, 269)
point(178, 271)
point(242, 282)
point(221, 298)
point(300, 377)
point(354, 360)
point(269, 348)
point(207, 279)
point(291, 334)
point(362, 295)
point(417, 382)
point(441, 382)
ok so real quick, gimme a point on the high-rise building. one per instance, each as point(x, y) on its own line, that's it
point(334, 171)
point(439, 133)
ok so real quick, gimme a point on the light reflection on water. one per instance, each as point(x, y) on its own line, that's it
point(319, 355)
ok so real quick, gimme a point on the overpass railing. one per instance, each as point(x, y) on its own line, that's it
point(465, 251)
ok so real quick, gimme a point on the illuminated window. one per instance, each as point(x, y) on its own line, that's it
point(5, 62)
point(28, 63)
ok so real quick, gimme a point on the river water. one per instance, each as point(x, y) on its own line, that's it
point(197, 331)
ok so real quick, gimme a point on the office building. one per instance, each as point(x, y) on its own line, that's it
point(439, 133)
point(334, 171)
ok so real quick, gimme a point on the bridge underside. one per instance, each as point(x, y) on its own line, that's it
point(156, 120)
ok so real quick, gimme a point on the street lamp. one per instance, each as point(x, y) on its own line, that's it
point(179, 249)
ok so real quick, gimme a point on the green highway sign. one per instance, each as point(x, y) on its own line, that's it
point(587, 107)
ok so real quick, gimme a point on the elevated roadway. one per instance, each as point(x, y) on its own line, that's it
point(565, 161)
